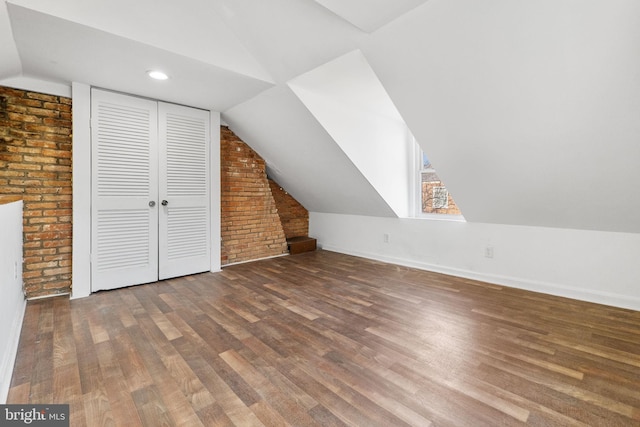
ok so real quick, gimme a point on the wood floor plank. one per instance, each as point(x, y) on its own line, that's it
point(166, 326)
point(77, 411)
point(26, 355)
point(151, 407)
point(268, 416)
point(177, 387)
point(19, 393)
point(116, 389)
point(279, 402)
point(214, 415)
point(66, 383)
point(272, 366)
point(324, 339)
point(132, 363)
point(97, 410)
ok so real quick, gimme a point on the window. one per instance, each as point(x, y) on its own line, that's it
point(433, 197)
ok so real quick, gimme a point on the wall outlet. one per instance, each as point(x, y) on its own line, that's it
point(386, 237)
point(488, 252)
point(15, 269)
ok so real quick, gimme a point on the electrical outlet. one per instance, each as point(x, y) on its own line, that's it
point(386, 238)
point(488, 252)
point(15, 269)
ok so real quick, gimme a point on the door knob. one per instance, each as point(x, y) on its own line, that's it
point(165, 203)
point(152, 203)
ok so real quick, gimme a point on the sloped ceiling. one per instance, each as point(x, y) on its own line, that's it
point(208, 85)
point(369, 15)
point(349, 102)
point(302, 157)
point(528, 110)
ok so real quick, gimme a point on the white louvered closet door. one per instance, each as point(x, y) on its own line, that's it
point(184, 191)
point(124, 240)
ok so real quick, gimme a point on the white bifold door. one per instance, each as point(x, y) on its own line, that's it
point(150, 190)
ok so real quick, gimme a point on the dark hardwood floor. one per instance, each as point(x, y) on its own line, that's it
point(327, 339)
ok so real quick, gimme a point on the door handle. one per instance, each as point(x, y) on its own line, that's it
point(165, 203)
point(152, 203)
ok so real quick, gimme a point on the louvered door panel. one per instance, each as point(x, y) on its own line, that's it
point(184, 228)
point(125, 179)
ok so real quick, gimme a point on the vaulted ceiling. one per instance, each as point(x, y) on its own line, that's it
point(530, 111)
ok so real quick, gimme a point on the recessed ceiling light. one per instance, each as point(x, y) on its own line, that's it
point(157, 75)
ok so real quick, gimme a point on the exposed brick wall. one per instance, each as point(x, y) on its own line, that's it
point(293, 216)
point(35, 163)
point(251, 227)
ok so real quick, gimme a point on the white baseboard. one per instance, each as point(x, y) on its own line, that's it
point(49, 296)
point(252, 260)
point(9, 358)
point(598, 297)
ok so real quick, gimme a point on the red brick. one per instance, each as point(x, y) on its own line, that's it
point(43, 112)
point(41, 143)
point(11, 157)
point(43, 220)
point(56, 271)
point(24, 166)
point(10, 173)
point(41, 252)
point(39, 159)
point(41, 265)
point(39, 164)
point(35, 157)
point(31, 274)
point(42, 97)
point(248, 207)
point(25, 118)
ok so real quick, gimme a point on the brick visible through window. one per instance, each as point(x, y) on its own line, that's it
point(440, 198)
point(434, 196)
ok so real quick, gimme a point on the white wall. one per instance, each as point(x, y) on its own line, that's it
point(347, 99)
point(10, 64)
point(81, 267)
point(593, 266)
point(527, 109)
point(12, 302)
point(302, 157)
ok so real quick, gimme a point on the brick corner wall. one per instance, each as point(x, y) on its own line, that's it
point(293, 216)
point(35, 164)
point(251, 228)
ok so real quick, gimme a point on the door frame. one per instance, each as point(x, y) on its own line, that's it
point(81, 244)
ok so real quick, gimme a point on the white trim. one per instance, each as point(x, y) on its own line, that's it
point(9, 357)
point(12, 304)
point(556, 289)
point(440, 217)
point(214, 168)
point(36, 85)
point(48, 296)
point(81, 245)
point(414, 185)
point(257, 259)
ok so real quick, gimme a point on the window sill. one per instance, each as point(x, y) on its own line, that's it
point(440, 217)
